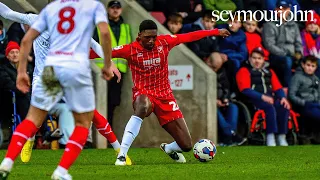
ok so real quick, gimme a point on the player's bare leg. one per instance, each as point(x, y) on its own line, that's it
point(75, 144)
point(104, 128)
point(142, 108)
point(25, 130)
point(179, 131)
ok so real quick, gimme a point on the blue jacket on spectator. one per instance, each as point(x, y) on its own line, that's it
point(234, 46)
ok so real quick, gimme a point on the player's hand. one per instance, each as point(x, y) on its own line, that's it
point(23, 82)
point(267, 99)
point(285, 103)
point(116, 71)
point(107, 73)
point(224, 33)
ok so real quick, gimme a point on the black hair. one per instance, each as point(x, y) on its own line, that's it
point(147, 25)
point(207, 14)
point(176, 18)
point(1, 24)
point(310, 58)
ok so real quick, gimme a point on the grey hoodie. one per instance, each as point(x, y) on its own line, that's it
point(283, 40)
point(304, 88)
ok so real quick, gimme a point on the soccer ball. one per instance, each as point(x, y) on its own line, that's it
point(204, 150)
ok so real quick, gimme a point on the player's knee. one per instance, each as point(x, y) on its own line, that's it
point(142, 110)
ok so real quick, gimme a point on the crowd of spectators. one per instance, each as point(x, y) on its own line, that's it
point(274, 68)
point(260, 63)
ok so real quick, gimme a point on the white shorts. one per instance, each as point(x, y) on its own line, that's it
point(56, 82)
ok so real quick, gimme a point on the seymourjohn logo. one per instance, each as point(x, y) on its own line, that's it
point(279, 16)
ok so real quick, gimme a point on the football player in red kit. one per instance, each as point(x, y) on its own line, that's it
point(148, 61)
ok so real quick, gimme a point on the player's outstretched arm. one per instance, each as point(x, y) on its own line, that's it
point(197, 35)
point(9, 14)
point(23, 81)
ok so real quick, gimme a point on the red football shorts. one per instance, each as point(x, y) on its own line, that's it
point(165, 108)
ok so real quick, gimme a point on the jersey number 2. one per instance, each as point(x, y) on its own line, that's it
point(174, 105)
point(69, 19)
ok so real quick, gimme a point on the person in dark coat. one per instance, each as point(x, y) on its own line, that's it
point(9, 77)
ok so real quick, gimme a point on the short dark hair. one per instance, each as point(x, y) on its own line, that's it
point(310, 58)
point(1, 24)
point(147, 25)
point(175, 18)
point(207, 14)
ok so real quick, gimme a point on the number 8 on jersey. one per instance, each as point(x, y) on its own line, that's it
point(66, 17)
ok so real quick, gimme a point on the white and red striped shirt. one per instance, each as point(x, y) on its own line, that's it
point(150, 67)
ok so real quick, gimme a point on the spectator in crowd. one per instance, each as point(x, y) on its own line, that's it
point(272, 4)
point(190, 10)
point(258, 83)
point(16, 32)
point(10, 73)
point(304, 92)
point(227, 111)
point(120, 35)
point(3, 41)
point(234, 46)
point(283, 43)
point(207, 47)
point(311, 38)
point(174, 23)
point(220, 5)
point(253, 5)
point(253, 38)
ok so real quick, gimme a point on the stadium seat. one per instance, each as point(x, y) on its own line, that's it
point(159, 16)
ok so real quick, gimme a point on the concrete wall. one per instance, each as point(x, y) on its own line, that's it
point(198, 106)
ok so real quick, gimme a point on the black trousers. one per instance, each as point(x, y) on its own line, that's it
point(114, 95)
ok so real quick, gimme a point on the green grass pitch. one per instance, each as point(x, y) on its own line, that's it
point(294, 162)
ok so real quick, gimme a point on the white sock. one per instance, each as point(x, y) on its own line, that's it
point(61, 170)
point(116, 145)
point(130, 133)
point(169, 148)
point(7, 163)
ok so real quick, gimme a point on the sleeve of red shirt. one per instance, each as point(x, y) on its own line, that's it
point(243, 79)
point(174, 40)
point(276, 85)
point(121, 52)
point(93, 55)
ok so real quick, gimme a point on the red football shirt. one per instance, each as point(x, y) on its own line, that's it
point(150, 67)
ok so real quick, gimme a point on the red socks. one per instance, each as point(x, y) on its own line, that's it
point(24, 131)
point(74, 146)
point(103, 126)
